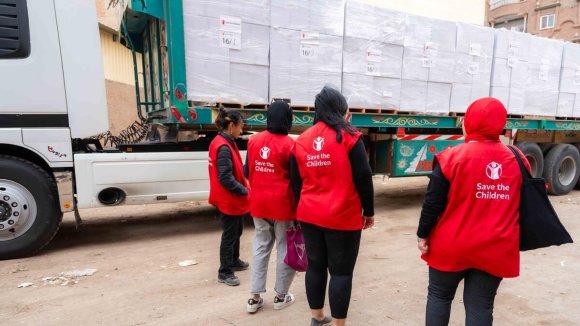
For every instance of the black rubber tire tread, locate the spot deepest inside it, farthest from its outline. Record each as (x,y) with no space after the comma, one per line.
(533,149)
(546,147)
(49,216)
(577,183)
(552,164)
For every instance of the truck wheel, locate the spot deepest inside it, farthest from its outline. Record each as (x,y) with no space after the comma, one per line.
(29,208)
(562,169)
(534,155)
(578,183)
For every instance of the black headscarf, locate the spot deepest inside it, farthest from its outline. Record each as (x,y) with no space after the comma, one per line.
(331,107)
(279,117)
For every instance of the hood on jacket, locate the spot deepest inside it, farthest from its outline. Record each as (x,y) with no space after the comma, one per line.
(279,118)
(484,120)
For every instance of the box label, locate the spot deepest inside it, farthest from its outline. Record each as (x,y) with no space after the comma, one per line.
(230,33)
(475,49)
(374,55)
(373,69)
(308,51)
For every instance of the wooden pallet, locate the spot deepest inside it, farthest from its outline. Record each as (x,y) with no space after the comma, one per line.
(568,118)
(456,114)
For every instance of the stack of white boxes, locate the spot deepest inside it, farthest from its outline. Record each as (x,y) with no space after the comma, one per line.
(428,65)
(372,56)
(473,60)
(510,69)
(226,50)
(569,98)
(305,48)
(542,84)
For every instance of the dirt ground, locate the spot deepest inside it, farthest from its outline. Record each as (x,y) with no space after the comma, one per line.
(136,251)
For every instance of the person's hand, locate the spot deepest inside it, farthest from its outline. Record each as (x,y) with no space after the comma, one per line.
(422,245)
(369,221)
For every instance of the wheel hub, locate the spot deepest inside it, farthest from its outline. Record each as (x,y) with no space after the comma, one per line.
(17,209)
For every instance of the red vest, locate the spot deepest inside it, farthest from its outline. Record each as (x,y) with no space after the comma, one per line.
(227,202)
(329,198)
(268,165)
(479,228)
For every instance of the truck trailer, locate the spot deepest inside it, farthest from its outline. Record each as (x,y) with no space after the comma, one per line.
(53,107)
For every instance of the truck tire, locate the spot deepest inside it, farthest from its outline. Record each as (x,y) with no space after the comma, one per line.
(562,169)
(29,208)
(546,147)
(534,155)
(578,183)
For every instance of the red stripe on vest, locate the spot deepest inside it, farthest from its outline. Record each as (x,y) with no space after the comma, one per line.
(268,165)
(227,202)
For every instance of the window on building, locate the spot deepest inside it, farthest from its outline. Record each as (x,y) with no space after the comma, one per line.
(547,21)
(14,29)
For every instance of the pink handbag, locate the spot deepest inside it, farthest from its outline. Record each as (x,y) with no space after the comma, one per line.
(296,249)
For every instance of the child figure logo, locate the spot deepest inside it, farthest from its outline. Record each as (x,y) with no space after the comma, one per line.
(318,143)
(493,170)
(265,152)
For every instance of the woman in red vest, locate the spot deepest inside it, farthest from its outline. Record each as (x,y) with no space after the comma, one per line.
(469,228)
(335,203)
(272,204)
(229,192)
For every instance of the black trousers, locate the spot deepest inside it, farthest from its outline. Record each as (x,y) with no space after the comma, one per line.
(232,227)
(479,293)
(335,251)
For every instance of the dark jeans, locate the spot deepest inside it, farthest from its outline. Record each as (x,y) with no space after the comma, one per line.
(232,227)
(479,293)
(334,251)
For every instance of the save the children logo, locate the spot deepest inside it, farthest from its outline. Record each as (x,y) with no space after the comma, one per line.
(318,143)
(493,170)
(265,152)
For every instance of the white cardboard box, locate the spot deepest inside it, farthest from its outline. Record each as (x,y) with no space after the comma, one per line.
(322,16)
(363,91)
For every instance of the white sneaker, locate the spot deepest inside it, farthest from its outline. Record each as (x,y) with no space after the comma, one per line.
(283,303)
(254,305)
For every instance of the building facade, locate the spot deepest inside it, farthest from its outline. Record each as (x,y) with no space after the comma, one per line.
(557,19)
(118,66)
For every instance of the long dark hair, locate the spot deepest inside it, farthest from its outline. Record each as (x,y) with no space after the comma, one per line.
(330,107)
(226,116)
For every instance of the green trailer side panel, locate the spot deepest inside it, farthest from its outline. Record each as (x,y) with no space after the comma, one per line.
(151,7)
(415,157)
(176,54)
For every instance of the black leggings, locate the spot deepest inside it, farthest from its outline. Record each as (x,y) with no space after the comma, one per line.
(479,293)
(334,251)
(232,227)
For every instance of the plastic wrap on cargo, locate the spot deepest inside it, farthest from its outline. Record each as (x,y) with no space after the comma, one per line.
(323,16)
(302,62)
(472,69)
(442,67)
(504,75)
(541,103)
(363,91)
(415,65)
(222,81)
(545,51)
(203,39)
(372,58)
(422,32)
(570,80)
(512,98)
(249,11)
(300,85)
(438,98)
(475,40)
(413,95)
(543,77)
(462,95)
(512,45)
(566,104)
(571,55)
(502,94)
(374,23)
